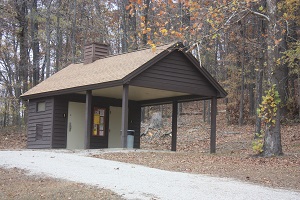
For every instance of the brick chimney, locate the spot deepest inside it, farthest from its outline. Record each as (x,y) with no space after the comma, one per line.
(94,51)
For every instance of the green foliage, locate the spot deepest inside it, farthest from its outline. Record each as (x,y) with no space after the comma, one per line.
(292,58)
(268,108)
(261,8)
(258,143)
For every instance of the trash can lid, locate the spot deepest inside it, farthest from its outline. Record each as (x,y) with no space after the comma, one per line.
(130,132)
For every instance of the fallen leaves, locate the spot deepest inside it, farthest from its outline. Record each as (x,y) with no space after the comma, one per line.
(14,184)
(12,139)
(234,158)
(281,171)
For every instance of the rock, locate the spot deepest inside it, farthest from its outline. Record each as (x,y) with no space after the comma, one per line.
(156,120)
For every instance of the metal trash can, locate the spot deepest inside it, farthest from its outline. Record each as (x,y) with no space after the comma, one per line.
(130,139)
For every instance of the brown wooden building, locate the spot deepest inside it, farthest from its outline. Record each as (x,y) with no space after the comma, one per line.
(86,105)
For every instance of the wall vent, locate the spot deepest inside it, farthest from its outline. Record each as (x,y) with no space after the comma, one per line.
(38,131)
(95,51)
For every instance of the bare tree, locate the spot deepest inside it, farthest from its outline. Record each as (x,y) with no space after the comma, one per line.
(73,31)
(22,68)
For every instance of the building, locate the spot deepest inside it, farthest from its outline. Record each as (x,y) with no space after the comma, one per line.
(86,105)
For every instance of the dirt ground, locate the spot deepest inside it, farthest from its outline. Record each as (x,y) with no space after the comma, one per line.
(14,184)
(234,159)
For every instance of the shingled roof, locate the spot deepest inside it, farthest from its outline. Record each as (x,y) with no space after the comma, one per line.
(106,72)
(112,68)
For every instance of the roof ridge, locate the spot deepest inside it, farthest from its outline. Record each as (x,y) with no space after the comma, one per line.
(137,50)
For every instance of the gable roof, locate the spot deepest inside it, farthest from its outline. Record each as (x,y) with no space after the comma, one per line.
(108,72)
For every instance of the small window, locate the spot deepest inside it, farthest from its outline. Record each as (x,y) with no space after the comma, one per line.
(41,106)
(38,131)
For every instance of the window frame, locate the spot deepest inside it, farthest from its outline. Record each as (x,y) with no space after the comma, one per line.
(37,106)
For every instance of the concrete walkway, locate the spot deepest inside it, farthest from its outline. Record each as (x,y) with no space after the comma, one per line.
(135,181)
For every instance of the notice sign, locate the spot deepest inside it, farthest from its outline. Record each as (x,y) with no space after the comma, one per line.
(96,119)
(99,122)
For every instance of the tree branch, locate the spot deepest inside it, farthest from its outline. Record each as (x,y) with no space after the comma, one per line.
(259,14)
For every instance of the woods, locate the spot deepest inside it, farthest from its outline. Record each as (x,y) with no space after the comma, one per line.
(252,47)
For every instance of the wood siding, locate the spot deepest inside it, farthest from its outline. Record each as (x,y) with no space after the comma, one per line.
(60,123)
(42,119)
(94,52)
(175,73)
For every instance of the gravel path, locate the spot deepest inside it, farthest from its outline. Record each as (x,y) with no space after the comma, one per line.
(134,181)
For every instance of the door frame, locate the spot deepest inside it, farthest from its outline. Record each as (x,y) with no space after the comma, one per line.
(117,131)
(78,126)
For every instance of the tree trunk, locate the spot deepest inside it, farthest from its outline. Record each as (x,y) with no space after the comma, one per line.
(48,32)
(132,29)
(208,113)
(179,109)
(272,140)
(251,91)
(259,75)
(103,26)
(73,33)
(145,14)
(58,38)
(259,81)
(298,81)
(186,21)
(282,75)
(242,65)
(35,43)
(22,69)
(251,95)
(6,106)
(67,49)
(143,114)
(124,26)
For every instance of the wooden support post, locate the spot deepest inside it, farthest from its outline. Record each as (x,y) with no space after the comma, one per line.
(88,117)
(174,125)
(125,115)
(213,124)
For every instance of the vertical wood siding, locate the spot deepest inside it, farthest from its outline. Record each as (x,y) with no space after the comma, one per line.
(44,118)
(60,123)
(176,73)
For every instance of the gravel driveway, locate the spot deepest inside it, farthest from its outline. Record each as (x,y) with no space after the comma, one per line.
(134,181)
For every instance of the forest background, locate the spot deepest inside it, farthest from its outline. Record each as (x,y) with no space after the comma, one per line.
(252,47)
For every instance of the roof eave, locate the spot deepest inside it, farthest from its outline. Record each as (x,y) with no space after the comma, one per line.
(72,90)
